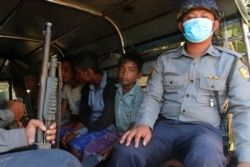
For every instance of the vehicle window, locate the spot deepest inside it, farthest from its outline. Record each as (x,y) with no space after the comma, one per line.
(4,94)
(231,31)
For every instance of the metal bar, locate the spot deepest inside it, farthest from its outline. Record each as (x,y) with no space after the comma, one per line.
(59,101)
(12,13)
(98,13)
(245,30)
(77,6)
(118,31)
(19,38)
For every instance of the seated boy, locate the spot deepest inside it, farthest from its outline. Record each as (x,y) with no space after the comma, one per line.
(127,101)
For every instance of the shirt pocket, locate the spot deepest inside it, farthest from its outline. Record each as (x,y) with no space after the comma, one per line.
(207,88)
(173,83)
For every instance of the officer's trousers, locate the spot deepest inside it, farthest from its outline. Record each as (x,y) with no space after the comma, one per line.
(197,145)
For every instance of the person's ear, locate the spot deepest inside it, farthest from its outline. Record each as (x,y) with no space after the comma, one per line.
(139,75)
(90,72)
(180,26)
(216,25)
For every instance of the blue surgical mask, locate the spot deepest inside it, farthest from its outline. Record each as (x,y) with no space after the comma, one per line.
(197,30)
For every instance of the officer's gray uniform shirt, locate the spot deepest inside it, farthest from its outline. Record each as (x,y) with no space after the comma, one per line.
(10,139)
(180,88)
(6,117)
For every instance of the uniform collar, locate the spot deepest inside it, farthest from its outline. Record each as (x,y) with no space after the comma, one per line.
(103,82)
(131,92)
(212,51)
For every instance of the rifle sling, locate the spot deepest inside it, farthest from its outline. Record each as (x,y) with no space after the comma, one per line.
(216,95)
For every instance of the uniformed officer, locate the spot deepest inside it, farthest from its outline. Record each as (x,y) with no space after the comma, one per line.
(179,111)
(21,138)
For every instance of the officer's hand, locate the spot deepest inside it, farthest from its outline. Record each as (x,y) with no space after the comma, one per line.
(30,131)
(136,133)
(244,164)
(17,108)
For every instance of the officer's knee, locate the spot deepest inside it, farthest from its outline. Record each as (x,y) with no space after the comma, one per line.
(206,157)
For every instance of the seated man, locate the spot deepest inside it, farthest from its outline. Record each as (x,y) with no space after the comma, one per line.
(14,112)
(31,81)
(96,112)
(71,93)
(20,92)
(179,110)
(19,88)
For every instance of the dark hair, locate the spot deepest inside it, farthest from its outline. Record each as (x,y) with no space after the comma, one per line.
(19,82)
(133,56)
(87,60)
(68,58)
(31,72)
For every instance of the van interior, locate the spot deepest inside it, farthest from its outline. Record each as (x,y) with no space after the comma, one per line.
(108,28)
(105,27)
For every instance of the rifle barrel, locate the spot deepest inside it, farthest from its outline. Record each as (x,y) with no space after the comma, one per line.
(44,72)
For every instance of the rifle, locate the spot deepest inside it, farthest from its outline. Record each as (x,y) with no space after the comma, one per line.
(48,91)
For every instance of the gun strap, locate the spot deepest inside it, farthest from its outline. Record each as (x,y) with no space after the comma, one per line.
(223,114)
